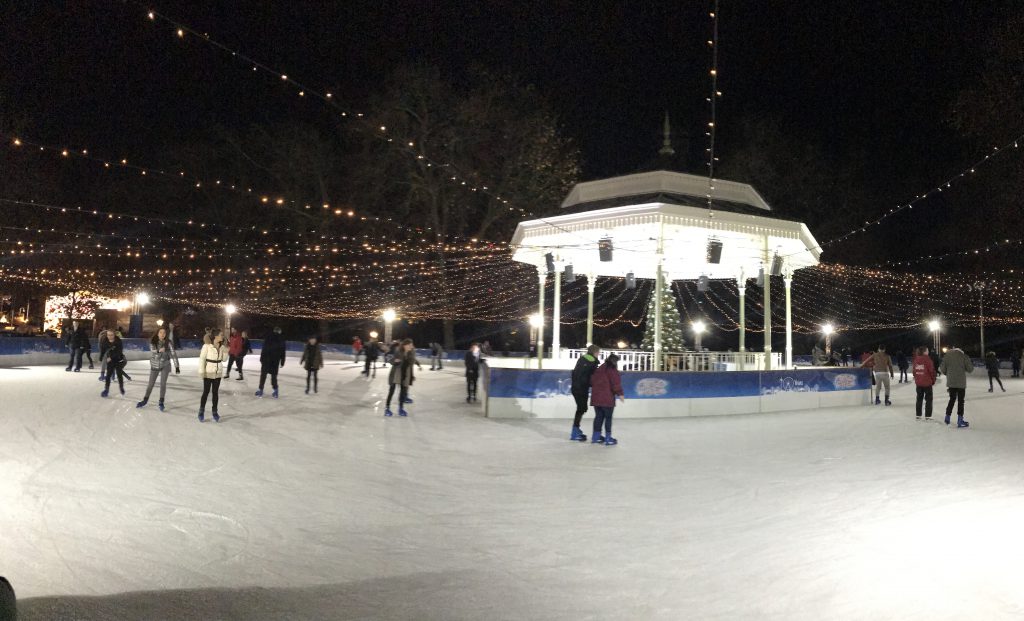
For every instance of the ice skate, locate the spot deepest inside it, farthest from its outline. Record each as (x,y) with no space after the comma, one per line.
(103,377)
(122,392)
(388,412)
(307,391)
(597,440)
(878,400)
(275,393)
(961,423)
(990,390)
(202,416)
(578,435)
(402,412)
(216,417)
(259,393)
(142,404)
(610,441)
(887,402)
(947,418)
(239,378)
(105,393)
(161,406)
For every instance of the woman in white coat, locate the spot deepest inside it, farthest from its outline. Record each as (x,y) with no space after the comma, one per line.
(211,369)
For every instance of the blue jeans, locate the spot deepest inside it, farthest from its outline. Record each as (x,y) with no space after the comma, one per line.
(603,415)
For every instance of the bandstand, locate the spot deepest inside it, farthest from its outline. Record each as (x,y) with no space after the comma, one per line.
(658,225)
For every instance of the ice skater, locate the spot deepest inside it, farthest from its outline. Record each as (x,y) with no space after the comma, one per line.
(401,376)
(924,379)
(372,354)
(113,361)
(1015,362)
(436,356)
(992,364)
(236,353)
(580,388)
(77,342)
(902,364)
(211,365)
(357,348)
(881,364)
(605,387)
(473,360)
(955,366)
(312,360)
(161,353)
(271,359)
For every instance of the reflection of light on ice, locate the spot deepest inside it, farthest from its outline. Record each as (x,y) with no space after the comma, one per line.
(651,387)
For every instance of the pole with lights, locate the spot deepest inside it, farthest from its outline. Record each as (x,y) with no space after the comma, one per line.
(229,310)
(828,329)
(935,327)
(389,315)
(537,324)
(979,286)
(699,328)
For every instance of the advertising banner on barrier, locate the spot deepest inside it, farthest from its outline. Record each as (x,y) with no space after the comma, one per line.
(533,384)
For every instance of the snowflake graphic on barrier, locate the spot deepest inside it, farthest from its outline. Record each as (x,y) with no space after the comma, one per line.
(651,387)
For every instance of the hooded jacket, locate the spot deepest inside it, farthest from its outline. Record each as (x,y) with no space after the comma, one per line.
(924,371)
(605,385)
(582,372)
(273,351)
(312,357)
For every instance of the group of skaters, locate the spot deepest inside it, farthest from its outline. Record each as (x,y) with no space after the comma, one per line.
(220,354)
(601,384)
(926,369)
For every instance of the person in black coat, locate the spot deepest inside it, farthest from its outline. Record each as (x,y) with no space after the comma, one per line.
(113,361)
(271,359)
(77,342)
(585,368)
(372,350)
(473,360)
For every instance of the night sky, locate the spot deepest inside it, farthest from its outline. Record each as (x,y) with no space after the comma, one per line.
(869,83)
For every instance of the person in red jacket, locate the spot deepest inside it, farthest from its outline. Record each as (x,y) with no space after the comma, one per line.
(236,352)
(924,378)
(605,386)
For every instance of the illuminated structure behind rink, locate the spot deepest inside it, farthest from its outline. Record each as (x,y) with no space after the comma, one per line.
(78,305)
(658,225)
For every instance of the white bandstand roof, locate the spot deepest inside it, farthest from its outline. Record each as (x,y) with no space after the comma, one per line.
(667,206)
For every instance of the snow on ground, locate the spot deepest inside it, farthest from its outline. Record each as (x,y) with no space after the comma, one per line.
(317,507)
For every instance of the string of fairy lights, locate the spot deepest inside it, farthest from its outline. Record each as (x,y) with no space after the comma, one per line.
(713,108)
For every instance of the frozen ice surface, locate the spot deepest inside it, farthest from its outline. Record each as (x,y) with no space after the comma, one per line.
(317,507)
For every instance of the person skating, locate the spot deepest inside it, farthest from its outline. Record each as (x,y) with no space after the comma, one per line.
(605,387)
(312,360)
(113,361)
(77,341)
(473,360)
(103,343)
(357,348)
(992,364)
(1015,362)
(271,359)
(580,388)
(211,365)
(236,353)
(401,376)
(955,366)
(881,364)
(436,356)
(161,354)
(88,350)
(902,363)
(372,352)
(924,379)
(246,350)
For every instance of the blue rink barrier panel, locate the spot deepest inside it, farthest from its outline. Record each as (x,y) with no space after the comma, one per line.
(524,393)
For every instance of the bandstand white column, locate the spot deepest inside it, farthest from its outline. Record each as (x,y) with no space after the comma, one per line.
(659,283)
(767,308)
(741,284)
(788,280)
(591,285)
(556,316)
(541,279)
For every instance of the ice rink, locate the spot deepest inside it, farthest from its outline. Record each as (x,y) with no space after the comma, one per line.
(316,507)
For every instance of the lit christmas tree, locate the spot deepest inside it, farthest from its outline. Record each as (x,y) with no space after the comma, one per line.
(671,322)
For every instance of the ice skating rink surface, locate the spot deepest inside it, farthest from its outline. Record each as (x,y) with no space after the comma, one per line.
(317,507)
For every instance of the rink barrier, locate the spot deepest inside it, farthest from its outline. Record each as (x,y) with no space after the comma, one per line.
(527,393)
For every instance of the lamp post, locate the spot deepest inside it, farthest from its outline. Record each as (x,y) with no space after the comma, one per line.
(699,327)
(537,323)
(827,330)
(979,286)
(229,310)
(389,315)
(935,327)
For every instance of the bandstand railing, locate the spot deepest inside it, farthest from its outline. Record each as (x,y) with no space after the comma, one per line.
(637,360)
